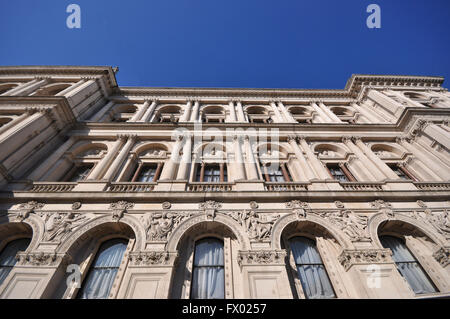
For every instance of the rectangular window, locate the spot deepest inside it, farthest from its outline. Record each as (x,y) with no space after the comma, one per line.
(147,173)
(402,172)
(340,174)
(80,173)
(211,173)
(277,173)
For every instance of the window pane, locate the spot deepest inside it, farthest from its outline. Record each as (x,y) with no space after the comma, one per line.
(408,266)
(103,271)
(310,268)
(8,256)
(208,280)
(80,173)
(147,173)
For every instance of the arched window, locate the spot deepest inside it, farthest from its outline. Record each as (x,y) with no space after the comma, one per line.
(310,269)
(8,256)
(100,278)
(408,266)
(208,280)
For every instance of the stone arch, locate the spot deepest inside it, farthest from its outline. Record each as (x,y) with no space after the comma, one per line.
(169,108)
(213,109)
(257,109)
(5,120)
(5,87)
(52,89)
(281,224)
(304,110)
(342,110)
(382,147)
(282,150)
(206,147)
(186,227)
(11,228)
(327,147)
(141,148)
(84,146)
(376,220)
(130,221)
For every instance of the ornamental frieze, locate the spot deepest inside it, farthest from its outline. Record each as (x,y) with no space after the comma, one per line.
(439,220)
(442,256)
(119,209)
(41,258)
(258,226)
(59,225)
(352,224)
(261,257)
(159,226)
(348,258)
(26,209)
(147,258)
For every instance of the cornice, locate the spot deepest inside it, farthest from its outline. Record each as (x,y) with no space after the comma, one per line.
(55,70)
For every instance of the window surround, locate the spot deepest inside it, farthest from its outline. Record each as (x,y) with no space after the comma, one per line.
(343,166)
(89,257)
(228,265)
(200,171)
(332,276)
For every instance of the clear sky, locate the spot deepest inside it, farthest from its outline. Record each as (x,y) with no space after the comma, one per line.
(231,43)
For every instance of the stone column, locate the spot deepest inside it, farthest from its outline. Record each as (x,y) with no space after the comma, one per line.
(16,136)
(385,101)
(148,114)
(434,170)
(406,99)
(97,117)
(306,172)
(17,120)
(317,165)
(286,113)
(238,158)
(186,159)
(123,153)
(70,88)
(329,113)
(437,133)
(364,165)
(194,113)
(30,88)
(20,87)
(103,165)
(241,116)
(320,114)
(187,112)
(232,111)
(168,171)
(51,160)
(278,117)
(138,115)
(376,160)
(252,171)
(366,113)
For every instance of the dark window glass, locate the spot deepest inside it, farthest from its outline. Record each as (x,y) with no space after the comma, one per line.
(337,173)
(8,256)
(99,281)
(208,279)
(310,268)
(80,174)
(399,172)
(408,266)
(275,174)
(147,173)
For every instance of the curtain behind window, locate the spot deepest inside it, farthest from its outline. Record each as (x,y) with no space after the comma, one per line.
(310,268)
(103,271)
(8,256)
(208,276)
(408,266)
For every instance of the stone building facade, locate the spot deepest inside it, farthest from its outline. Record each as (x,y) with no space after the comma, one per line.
(360,176)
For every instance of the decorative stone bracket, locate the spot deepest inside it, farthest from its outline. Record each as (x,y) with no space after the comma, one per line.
(119,209)
(442,255)
(42,258)
(149,258)
(261,257)
(348,258)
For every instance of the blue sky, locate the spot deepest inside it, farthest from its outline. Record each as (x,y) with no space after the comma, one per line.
(231,43)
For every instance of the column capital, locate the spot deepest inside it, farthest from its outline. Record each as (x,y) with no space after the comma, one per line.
(301,138)
(291,138)
(356,139)
(346,139)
